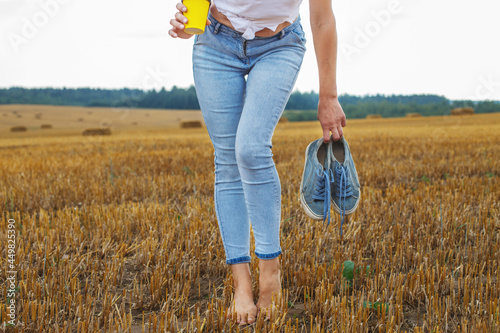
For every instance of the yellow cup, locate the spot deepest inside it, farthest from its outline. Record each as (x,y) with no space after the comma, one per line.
(197,12)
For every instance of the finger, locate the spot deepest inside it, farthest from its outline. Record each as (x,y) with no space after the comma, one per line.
(326,135)
(340,131)
(208,22)
(172,33)
(181,7)
(344,122)
(176,24)
(335,134)
(181,18)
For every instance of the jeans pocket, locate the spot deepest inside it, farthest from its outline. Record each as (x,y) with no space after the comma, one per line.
(299,36)
(299,33)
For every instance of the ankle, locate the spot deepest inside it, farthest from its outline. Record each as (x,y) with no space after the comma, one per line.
(242,279)
(269,264)
(269,268)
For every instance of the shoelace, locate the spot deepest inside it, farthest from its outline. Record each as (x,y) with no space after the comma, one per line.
(322,191)
(342,189)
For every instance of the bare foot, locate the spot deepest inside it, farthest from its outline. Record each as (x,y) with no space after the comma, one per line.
(243,308)
(269,283)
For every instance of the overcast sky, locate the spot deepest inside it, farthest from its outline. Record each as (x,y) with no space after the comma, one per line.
(445,47)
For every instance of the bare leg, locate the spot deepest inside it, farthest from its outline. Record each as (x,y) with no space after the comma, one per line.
(245,308)
(269,282)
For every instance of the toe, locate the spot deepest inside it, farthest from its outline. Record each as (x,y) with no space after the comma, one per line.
(243,320)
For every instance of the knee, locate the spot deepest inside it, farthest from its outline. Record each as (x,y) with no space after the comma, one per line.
(252,155)
(226,168)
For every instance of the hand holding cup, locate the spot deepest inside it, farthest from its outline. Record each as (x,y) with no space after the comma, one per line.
(182,27)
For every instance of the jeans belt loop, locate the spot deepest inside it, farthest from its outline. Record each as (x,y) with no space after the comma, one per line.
(282,33)
(217,26)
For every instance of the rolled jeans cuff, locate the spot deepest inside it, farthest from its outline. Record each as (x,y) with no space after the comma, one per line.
(268,256)
(238,260)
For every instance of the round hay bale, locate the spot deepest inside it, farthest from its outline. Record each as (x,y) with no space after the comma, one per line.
(413,115)
(283,120)
(80,119)
(38,115)
(135,123)
(97,131)
(462,111)
(46,126)
(18,129)
(191,124)
(373,116)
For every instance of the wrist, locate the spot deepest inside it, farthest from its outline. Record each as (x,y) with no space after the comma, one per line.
(328,97)
(328,91)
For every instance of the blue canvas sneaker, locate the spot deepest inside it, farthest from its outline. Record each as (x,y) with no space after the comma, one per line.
(317,178)
(345,189)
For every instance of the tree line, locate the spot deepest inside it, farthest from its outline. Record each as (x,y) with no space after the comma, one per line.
(301,105)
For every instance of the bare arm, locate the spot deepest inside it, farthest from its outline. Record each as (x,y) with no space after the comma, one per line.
(323,26)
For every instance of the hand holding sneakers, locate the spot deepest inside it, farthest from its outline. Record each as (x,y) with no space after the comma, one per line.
(329,175)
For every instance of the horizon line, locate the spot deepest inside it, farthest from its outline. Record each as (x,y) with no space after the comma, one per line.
(294,91)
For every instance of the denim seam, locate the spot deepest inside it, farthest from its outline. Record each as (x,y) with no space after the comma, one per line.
(217,207)
(276,118)
(278,217)
(276,192)
(290,91)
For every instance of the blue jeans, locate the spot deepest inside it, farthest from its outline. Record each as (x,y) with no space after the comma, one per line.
(243,87)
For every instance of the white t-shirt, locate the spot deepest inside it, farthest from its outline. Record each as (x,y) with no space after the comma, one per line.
(248,17)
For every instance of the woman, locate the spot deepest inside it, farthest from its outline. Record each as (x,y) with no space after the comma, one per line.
(245,65)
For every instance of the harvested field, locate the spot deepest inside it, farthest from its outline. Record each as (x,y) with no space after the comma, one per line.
(118,233)
(76,117)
